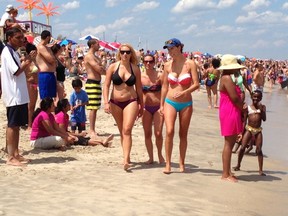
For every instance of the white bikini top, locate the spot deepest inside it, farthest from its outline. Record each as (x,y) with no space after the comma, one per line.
(252,111)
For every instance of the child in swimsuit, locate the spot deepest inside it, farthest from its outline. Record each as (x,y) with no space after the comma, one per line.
(255,114)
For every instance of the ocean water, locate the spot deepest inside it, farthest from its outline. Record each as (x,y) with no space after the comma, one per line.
(275,129)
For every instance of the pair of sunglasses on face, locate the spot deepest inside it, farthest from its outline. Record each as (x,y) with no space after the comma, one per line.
(122,52)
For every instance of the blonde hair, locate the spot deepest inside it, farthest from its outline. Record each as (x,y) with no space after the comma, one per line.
(133,57)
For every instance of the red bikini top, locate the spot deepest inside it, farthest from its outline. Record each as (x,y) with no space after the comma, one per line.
(185,79)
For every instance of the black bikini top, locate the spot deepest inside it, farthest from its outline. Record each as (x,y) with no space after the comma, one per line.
(117,80)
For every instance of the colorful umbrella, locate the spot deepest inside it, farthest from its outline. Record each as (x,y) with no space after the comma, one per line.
(37,40)
(88,37)
(105,45)
(67,41)
(30,38)
(115,45)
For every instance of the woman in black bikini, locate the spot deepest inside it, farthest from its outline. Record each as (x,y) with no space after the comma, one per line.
(151,85)
(126,99)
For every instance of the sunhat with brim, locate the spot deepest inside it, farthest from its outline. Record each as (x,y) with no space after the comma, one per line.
(229,62)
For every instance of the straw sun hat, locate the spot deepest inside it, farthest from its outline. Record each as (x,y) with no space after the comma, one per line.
(229,62)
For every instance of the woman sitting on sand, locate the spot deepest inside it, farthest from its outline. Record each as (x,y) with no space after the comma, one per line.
(45,133)
(62,119)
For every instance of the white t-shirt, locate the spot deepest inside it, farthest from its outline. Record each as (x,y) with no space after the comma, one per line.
(14,88)
(5,16)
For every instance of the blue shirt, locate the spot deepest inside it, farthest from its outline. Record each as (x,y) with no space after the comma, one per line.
(78,115)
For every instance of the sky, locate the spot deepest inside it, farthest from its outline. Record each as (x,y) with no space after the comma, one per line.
(256,28)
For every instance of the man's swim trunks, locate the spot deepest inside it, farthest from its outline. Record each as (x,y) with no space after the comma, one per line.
(47,84)
(94,92)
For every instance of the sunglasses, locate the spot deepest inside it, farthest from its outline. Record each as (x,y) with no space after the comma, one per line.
(149,61)
(168,42)
(122,52)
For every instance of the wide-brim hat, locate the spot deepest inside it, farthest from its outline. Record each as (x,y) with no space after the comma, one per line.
(229,62)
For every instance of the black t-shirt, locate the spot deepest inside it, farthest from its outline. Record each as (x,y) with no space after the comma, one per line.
(60,71)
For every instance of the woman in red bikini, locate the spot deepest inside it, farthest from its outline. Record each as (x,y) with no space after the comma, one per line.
(126,99)
(180,79)
(151,85)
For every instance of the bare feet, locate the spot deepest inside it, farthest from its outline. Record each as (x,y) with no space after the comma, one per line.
(216,107)
(150,161)
(167,170)
(161,160)
(107,140)
(230,179)
(22,159)
(236,168)
(209,107)
(182,168)
(126,167)
(14,162)
(261,173)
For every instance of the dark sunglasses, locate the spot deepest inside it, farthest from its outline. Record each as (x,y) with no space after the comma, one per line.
(122,52)
(150,61)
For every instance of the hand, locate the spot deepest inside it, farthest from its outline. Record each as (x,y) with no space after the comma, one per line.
(140,112)
(178,94)
(33,54)
(161,110)
(107,108)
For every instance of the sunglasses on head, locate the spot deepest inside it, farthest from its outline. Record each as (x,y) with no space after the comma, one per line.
(150,61)
(122,52)
(168,42)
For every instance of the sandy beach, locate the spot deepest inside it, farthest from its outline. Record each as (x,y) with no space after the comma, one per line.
(90,180)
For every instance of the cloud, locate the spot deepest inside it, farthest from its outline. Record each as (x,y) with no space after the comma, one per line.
(118,24)
(190,29)
(226,3)
(23,17)
(113,3)
(146,5)
(66,26)
(262,18)
(90,16)
(285,5)
(260,44)
(186,5)
(71,5)
(254,4)
(280,43)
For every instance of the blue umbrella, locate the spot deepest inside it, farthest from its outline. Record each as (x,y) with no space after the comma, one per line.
(67,41)
(88,37)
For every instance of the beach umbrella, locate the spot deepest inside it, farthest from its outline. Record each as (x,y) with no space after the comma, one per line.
(218,55)
(198,53)
(67,41)
(208,55)
(105,45)
(37,40)
(115,45)
(88,37)
(241,57)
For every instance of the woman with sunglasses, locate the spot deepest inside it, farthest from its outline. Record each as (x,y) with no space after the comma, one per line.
(180,79)
(126,99)
(151,85)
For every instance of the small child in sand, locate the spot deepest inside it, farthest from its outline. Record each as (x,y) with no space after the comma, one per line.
(62,119)
(255,114)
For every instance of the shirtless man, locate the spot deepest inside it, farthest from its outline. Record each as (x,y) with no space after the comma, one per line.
(47,64)
(258,77)
(255,114)
(94,70)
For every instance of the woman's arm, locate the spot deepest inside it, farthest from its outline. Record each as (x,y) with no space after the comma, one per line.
(165,85)
(195,83)
(139,91)
(106,87)
(229,86)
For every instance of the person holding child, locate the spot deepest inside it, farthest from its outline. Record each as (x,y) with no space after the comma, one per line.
(254,114)
(230,110)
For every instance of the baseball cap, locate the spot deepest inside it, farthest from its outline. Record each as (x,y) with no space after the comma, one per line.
(171,43)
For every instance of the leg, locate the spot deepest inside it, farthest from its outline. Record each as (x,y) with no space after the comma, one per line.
(226,157)
(215,95)
(184,121)
(158,127)
(170,117)
(208,89)
(12,137)
(245,140)
(92,121)
(258,142)
(33,95)
(130,113)
(147,126)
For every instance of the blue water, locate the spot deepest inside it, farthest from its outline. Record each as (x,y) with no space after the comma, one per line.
(275,129)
